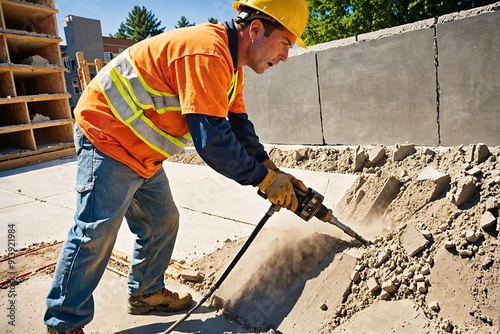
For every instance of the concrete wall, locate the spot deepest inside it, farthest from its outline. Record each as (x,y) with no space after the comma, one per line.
(434,82)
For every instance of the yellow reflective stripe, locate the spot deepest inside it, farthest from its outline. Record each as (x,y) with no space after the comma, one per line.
(174,140)
(141,79)
(119,94)
(143,95)
(115,77)
(231,93)
(117,115)
(130,124)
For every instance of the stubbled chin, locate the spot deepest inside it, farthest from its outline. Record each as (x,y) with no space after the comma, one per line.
(259,70)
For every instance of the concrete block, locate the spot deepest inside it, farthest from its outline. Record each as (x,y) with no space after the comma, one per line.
(421,287)
(413,241)
(402,151)
(389,286)
(388,192)
(482,153)
(297,156)
(487,220)
(471,236)
(448,244)
(434,305)
(425,270)
(465,253)
(441,180)
(470,97)
(375,154)
(216,302)
(355,276)
(359,159)
(390,77)
(426,233)
(191,275)
(310,317)
(372,285)
(293,104)
(430,152)
(464,192)
(492,203)
(384,295)
(469,153)
(382,257)
(419,278)
(397,316)
(366,207)
(257,104)
(474,170)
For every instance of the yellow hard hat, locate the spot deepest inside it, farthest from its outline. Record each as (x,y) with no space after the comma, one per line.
(292,14)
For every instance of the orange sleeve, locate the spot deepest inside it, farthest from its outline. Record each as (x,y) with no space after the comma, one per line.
(202,81)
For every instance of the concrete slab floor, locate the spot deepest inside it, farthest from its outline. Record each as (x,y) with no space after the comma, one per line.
(110,310)
(39,200)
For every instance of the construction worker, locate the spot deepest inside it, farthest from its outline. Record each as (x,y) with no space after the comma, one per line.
(143,107)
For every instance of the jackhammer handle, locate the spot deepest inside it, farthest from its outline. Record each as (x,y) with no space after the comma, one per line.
(274,208)
(261,194)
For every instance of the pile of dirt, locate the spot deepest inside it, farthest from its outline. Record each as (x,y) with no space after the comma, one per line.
(433,214)
(28,261)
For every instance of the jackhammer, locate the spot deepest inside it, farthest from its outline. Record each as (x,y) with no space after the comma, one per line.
(310,205)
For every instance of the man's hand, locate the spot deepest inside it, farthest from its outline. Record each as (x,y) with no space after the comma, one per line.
(278,188)
(269,164)
(296,182)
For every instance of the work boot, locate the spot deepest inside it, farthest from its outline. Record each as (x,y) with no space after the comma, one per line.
(162,300)
(51,330)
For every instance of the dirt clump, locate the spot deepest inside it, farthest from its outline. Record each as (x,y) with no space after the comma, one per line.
(433,215)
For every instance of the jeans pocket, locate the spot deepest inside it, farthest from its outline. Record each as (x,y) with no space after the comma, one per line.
(85,164)
(84,183)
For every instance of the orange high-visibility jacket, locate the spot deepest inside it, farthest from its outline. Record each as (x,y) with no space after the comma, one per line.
(133,110)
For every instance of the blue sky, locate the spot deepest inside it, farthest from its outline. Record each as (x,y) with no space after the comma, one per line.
(112,12)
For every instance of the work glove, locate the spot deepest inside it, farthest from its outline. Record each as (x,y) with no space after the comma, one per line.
(269,164)
(295,182)
(278,188)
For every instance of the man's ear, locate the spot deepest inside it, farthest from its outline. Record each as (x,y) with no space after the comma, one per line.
(256,28)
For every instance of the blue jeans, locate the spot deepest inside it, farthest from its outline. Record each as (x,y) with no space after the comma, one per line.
(108,191)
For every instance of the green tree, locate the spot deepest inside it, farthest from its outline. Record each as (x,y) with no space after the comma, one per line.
(336,19)
(213,20)
(140,24)
(183,22)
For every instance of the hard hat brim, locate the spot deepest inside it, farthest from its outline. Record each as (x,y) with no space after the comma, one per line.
(301,43)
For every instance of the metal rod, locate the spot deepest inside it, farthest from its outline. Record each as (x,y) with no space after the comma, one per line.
(269,213)
(334,221)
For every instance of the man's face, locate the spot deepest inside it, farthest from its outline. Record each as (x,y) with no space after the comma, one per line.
(265,52)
